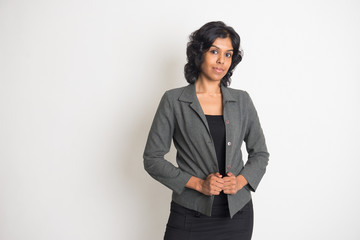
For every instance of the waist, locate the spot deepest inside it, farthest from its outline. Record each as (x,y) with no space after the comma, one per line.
(196,201)
(218,211)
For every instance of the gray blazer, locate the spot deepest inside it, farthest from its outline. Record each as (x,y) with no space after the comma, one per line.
(180,118)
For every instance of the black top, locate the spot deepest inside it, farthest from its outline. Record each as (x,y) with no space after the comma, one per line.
(218,134)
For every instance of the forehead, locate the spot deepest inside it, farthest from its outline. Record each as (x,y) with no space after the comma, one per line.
(223,43)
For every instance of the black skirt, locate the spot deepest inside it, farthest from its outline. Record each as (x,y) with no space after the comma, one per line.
(187,224)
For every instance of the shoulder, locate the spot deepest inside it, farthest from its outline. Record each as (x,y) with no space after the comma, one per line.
(237,92)
(169,97)
(239,95)
(185,93)
(175,91)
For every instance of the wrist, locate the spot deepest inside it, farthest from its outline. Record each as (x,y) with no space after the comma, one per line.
(199,185)
(241,181)
(195,183)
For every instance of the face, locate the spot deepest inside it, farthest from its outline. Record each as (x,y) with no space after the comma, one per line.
(217,60)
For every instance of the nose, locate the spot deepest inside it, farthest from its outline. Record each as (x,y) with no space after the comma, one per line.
(220,59)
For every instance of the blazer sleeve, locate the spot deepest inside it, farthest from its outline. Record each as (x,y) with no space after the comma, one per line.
(258,155)
(158,144)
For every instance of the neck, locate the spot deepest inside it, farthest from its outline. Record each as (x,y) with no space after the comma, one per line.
(212,87)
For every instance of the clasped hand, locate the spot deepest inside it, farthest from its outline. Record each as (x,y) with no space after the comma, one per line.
(229,184)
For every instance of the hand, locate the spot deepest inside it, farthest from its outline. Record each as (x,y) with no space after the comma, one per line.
(212,185)
(233,184)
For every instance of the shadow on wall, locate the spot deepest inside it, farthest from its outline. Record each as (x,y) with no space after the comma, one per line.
(152,197)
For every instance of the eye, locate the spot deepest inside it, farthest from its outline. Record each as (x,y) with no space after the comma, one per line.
(214,51)
(228,55)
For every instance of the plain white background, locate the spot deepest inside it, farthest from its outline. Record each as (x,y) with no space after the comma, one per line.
(80,82)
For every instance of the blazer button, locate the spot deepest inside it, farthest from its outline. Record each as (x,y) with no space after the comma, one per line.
(228,166)
(229,143)
(227,121)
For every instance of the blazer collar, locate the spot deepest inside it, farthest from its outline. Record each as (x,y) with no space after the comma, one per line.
(189,94)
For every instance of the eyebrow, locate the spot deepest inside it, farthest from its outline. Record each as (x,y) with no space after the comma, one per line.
(219,48)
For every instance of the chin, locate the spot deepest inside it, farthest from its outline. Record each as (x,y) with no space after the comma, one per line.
(217,79)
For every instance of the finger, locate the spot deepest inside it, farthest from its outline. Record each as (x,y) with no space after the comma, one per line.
(229,179)
(215,176)
(218,175)
(216,179)
(218,185)
(230,174)
(216,190)
(210,175)
(228,186)
(230,189)
(219,180)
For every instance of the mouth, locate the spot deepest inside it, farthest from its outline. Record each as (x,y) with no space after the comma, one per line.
(218,70)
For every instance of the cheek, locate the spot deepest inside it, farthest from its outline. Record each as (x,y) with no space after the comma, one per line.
(206,64)
(203,67)
(228,64)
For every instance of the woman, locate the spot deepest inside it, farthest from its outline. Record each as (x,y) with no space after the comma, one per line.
(208,122)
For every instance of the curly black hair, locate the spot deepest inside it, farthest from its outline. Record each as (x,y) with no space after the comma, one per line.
(200,42)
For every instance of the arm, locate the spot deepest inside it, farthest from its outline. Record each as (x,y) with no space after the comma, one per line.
(158,144)
(258,155)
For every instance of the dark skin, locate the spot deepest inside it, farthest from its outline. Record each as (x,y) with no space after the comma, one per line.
(217,61)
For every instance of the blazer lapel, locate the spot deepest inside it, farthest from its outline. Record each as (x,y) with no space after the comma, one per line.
(189,95)
(227,97)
